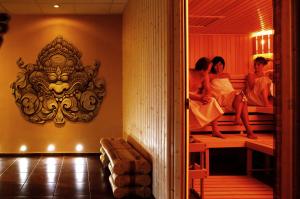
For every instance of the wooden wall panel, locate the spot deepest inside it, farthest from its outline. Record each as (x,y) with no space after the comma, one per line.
(230,16)
(145,68)
(235,49)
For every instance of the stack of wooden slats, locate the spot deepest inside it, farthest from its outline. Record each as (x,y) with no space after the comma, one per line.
(130,171)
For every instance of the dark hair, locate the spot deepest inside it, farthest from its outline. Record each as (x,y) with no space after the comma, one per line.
(261,60)
(216,60)
(202,64)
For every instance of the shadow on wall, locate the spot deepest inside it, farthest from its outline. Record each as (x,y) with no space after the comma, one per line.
(4,18)
(133,141)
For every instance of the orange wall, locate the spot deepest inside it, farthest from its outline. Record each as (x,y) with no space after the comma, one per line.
(235,49)
(97,37)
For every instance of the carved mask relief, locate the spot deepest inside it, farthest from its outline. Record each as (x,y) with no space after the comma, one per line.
(58,86)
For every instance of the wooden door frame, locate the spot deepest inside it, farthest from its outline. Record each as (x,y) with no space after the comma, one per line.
(296,144)
(176,95)
(287,98)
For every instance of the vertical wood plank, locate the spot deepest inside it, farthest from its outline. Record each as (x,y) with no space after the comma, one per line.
(145,83)
(235,49)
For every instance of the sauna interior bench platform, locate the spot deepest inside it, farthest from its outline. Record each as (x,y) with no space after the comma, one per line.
(264,144)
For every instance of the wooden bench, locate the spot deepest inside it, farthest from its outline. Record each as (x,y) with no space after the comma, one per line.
(265,147)
(260,118)
(199,173)
(264,144)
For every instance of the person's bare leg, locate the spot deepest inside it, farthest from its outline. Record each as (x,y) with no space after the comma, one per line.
(238,107)
(215,130)
(245,119)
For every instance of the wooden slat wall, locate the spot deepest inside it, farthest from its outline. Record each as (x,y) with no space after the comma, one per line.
(145,70)
(230,16)
(235,49)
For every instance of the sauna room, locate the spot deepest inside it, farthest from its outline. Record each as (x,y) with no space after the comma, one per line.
(225,40)
(231,155)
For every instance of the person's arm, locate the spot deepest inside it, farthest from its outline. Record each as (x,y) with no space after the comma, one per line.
(206,86)
(250,80)
(206,90)
(212,76)
(194,96)
(203,97)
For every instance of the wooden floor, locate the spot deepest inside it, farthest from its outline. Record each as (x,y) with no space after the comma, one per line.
(234,187)
(54,177)
(232,140)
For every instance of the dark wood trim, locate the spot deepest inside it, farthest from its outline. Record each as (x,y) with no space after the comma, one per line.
(278,99)
(296,141)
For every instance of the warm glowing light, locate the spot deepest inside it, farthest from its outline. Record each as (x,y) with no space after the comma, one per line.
(79,161)
(79,168)
(51,147)
(23,165)
(265,55)
(51,168)
(79,147)
(51,161)
(23,176)
(51,165)
(79,177)
(51,177)
(56,6)
(23,148)
(262,42)
(262,33)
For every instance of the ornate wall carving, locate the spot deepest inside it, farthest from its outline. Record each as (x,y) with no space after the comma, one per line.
(58,86)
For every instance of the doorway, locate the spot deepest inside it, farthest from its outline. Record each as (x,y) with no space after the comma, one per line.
(238,31)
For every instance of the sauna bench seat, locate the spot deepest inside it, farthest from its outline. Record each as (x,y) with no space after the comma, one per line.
(203,143)
(260,118)
(260,109)
(231,141)
(265,147)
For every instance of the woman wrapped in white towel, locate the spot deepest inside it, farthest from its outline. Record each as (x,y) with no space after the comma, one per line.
(259,85)
(229,98)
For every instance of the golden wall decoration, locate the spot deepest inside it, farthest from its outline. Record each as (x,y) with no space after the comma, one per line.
(58,86)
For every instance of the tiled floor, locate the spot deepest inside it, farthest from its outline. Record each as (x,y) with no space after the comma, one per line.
(53,177)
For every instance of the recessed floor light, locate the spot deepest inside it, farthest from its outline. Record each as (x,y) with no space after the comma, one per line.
(79,147)
(56,6)
(23,148)
(51,147)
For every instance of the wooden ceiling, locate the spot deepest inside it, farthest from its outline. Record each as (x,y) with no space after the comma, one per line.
(66,6)
(230,16)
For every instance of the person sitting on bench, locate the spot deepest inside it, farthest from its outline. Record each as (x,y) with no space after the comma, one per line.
(229,98)
(259,85)
(205,108)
